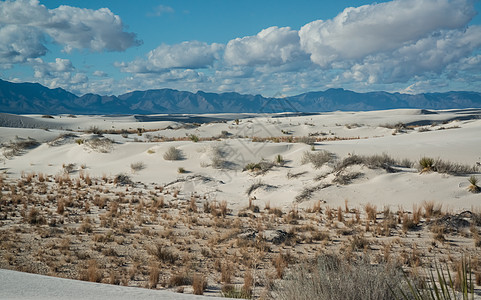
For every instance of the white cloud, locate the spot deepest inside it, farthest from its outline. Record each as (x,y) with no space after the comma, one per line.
(59,68)
(186,55)
(23,24)
(99,73)
(19,43)
(161,9)
(272,46)
(431,55)
(358,32)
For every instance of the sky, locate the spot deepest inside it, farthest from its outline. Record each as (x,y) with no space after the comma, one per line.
(271,47)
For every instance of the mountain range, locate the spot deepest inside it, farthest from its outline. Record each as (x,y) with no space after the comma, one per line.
(34,98)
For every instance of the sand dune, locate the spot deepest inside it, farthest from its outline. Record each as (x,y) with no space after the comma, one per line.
(217,150)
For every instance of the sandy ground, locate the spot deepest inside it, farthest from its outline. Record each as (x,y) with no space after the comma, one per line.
(216,156)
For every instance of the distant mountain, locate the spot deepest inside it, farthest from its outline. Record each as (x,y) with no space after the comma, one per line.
(33,98)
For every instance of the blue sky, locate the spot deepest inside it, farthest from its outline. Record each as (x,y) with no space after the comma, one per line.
(271,48)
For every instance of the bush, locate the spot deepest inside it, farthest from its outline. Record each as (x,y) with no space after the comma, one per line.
(334,279)
(137,166)
(427,164)
(173,154)
(377,161)
(316,158)
(100,145)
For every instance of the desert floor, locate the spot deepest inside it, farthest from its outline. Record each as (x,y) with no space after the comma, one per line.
(227,204)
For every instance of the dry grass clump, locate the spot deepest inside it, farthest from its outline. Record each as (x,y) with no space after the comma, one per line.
(173,154)
(427,164)
(19,146)
(92,273)
(162,253)
(102,145)
(257,185)
(376,161)
(217,157)
(318,158)
(137,166)
(332,278)
(199,284)
(261,167)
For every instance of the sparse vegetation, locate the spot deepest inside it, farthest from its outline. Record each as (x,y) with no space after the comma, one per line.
(333,278)
(173,154)
(318,158)
(137,166)
(427,164)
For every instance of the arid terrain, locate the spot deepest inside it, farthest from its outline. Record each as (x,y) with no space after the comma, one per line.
(226,205)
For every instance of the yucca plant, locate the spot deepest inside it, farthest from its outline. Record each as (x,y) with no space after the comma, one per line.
(474,188)
(426,164)
(279,160)
(441,286)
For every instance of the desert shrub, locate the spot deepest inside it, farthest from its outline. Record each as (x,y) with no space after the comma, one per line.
(376,161)
(344,179)
(47,117)
(137,166)
(194,138)
(62,139)
(35,218)
(92,273)
(102,145)
(427,164)
(122,179)
(473,188)
(260,167)
(199,284)
(217,157)
(257,185)
(306,140)
(317,159)
(335,279)
(179,279)
(94,130)
(231,291)
(181,170)
(173,154)
(68,168)
(442,166)
(19,146)
(154,273)
(307,192)
(162,253)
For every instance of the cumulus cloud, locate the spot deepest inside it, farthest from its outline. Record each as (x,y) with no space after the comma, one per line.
(19,43)
(433,54)
(186,55)
(25,23)
(272,46)
(358,32)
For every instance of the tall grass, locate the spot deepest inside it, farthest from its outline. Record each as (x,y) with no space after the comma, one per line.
(332,278)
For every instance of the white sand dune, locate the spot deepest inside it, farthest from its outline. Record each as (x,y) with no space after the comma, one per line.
(19,285)
(451,135)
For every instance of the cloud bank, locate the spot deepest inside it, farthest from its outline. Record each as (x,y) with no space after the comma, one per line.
(393,43)
(25,25)
(401,45)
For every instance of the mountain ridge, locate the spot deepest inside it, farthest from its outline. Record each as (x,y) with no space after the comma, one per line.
(34,98)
